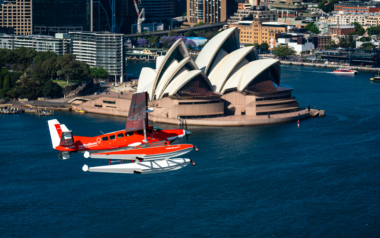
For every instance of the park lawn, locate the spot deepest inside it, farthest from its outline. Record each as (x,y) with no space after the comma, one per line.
(63,84)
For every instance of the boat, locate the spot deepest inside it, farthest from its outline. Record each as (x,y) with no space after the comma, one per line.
(376,78)
(80,111)
(345,71)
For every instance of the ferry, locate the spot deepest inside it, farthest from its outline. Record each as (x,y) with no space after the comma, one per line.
(345,71)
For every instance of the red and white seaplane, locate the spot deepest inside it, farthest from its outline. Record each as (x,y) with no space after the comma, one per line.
(149,148)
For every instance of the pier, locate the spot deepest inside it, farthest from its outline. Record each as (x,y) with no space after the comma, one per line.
(285,62)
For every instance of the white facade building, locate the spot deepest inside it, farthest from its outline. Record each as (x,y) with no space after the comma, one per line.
(295,40)
(346,18)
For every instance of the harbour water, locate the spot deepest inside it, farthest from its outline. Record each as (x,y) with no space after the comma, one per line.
(319,180)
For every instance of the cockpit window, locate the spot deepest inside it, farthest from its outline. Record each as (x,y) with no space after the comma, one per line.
(155,128)
(130,133)
(139,132)
(105,138)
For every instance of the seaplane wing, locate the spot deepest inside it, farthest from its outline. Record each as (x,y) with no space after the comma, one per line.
(149,151)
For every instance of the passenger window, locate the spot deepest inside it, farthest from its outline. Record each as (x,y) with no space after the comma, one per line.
(105,138)
(112,137)
(129,133)
(148,130)
(120,135)
(155,128)
(139,132)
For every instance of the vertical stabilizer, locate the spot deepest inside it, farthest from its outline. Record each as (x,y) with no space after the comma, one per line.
(55,132)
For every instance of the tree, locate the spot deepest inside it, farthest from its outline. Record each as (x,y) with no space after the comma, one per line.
(284,51)
(142,42)
(28,87)
(52,89)
(373,30)
(167,41)
(7,84)
(3,74)
(191,44)
(59,74)
(189,33)
(367,46)
(264,46)
(153,40)
(360,32)
(312,28)
(184,39)
(256,45)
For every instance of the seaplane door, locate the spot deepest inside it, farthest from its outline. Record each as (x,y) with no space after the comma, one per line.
(112,141)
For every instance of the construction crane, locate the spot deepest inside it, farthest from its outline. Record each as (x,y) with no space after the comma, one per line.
(140,19)
(140,16)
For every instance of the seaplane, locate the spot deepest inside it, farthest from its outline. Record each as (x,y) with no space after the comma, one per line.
(141,148)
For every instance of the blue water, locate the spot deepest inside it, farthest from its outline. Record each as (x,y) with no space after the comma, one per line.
(319,180)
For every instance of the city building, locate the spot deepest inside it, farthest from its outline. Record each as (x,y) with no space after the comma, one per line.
(61,16)
(296,41)
(18,15)
(341,30)
(158,9)
(357,7)
(353,57)
(148,27)
(293,21)
(37,42)
(7,30)
(324,27)
(288,8)
(373,19)
(125,15)
(209,11)
(252,13)
(259,31)
(346,18)
(225,80)
(100,49)
(374,42)
(39,17)
(320,41)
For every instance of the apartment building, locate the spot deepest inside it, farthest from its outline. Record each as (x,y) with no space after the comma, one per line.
(209,11)
(100,49)
(18,15)
(259,31)
(37,42)
(357,7)
(341,30)
(252,13)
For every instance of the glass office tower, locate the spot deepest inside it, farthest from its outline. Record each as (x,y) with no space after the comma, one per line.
(61,16)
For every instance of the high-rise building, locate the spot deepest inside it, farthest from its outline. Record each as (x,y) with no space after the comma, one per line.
(17,14)
(45,17)
(158,10)
(100,49)
(125,15)
(61,16)
(209,11)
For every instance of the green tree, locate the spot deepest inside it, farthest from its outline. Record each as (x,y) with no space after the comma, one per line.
(153,40)
(3,74)
(28,87)
(7,84)
(264,46)
(52,89)
(373,30)
(189,33)
(284,51)
(367,46)
(360,32)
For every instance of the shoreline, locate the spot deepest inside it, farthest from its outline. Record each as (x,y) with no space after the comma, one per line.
(284,62)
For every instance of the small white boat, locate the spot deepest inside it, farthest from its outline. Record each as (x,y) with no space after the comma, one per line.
(345,71)
(149,167)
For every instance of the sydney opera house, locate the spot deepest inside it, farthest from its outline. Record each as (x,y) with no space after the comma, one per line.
(225,85)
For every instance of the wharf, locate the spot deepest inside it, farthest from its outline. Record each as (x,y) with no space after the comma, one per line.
(328,65)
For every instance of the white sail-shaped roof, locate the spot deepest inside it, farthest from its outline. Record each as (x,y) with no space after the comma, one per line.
(223,43)
(182,79)
(176,52)
(230,64)
(187,63)
(146,79)
(248,73)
